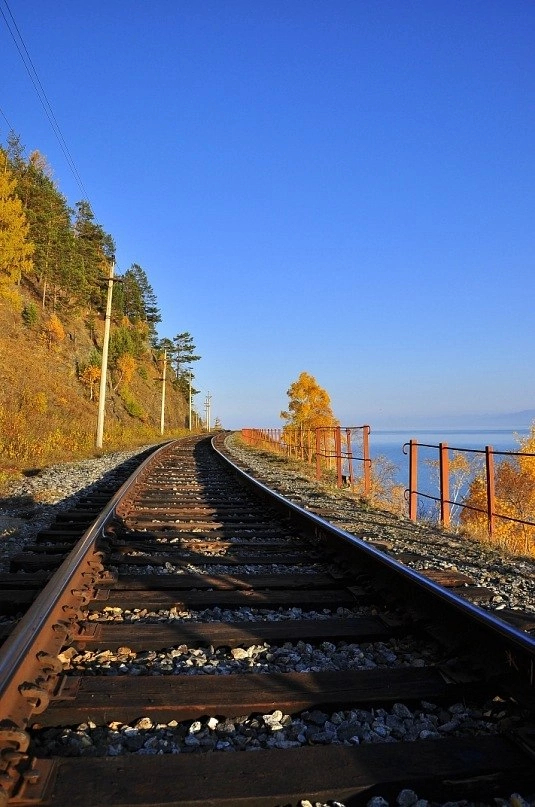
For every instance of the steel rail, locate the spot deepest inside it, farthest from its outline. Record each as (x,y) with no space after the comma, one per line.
(524,646)
(19,646)
(521,641)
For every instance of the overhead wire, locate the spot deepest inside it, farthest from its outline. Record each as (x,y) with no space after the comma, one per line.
(41,94)
(5,118)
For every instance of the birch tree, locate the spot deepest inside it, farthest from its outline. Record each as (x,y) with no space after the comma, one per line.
(309,405)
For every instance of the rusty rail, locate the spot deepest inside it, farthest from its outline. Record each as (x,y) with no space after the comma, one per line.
(330,448)
(168,498)
(443,499)
(29,654)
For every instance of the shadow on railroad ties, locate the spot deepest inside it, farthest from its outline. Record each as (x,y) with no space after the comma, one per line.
(44,498)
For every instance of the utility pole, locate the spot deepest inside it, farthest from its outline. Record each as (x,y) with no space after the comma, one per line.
(189,419)
(207,409)
(162,415)
(104,366)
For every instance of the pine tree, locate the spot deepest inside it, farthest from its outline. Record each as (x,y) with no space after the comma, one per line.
(48,216)
(93,250)
(136,298)
(183,352)
(151,313)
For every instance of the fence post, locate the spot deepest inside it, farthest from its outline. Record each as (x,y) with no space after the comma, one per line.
(367,460)
(318,453)
(444,465)
(489,468)
(349,451)
(338,455)
(413,479)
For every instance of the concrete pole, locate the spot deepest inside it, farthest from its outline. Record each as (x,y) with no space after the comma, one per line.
(104,366)
(189,420)
(162,415)
(207,407)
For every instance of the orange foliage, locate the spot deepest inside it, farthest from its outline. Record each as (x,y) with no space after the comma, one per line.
(124,367)
(310,405)
(90,377)
(514,499)
(54,330)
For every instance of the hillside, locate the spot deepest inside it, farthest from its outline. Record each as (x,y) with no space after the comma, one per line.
(46,414)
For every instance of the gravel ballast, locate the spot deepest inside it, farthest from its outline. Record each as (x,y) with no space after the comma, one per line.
(31,505)
(511,579)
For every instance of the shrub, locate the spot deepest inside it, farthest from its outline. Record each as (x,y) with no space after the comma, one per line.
(124,369)
(514,499)
(54,330)
(29,315)
(133,408)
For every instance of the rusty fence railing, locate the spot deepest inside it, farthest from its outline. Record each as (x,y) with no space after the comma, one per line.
(332,449)
(443,499)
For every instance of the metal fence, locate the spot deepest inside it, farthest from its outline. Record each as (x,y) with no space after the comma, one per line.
(334,450)
(443,499)
(341,452)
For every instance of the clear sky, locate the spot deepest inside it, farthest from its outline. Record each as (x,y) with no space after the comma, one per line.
(342,187)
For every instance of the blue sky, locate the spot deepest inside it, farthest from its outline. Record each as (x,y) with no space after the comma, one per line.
(342,187)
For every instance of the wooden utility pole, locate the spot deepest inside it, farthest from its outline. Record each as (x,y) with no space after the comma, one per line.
(104,365)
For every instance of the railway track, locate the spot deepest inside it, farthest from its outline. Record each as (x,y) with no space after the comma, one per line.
(201,618)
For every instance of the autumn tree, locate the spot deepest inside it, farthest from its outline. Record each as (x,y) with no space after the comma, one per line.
(47,214)
(514,481)
(53,330)
(124,370)
(309,406)
(89,373)
(51,230)
(90,378)
(463,467)
(15,248)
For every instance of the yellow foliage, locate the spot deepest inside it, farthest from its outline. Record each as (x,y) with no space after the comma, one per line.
(310,405)
(90,377)
(15,249)
(9,292)
(54,330)
(514,499)
(142,328)
(125,367)
(40,402)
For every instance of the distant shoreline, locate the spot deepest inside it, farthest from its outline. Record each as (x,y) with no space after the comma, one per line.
(439,430)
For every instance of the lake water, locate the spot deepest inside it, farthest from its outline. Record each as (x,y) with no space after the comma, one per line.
(389,444)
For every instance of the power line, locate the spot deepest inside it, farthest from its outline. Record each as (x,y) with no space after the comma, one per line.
(41,94)
(6,120)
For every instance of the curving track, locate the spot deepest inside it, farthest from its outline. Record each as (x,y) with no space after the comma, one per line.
(136,668)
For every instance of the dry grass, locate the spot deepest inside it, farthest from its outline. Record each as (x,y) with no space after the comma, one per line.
(45,412)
